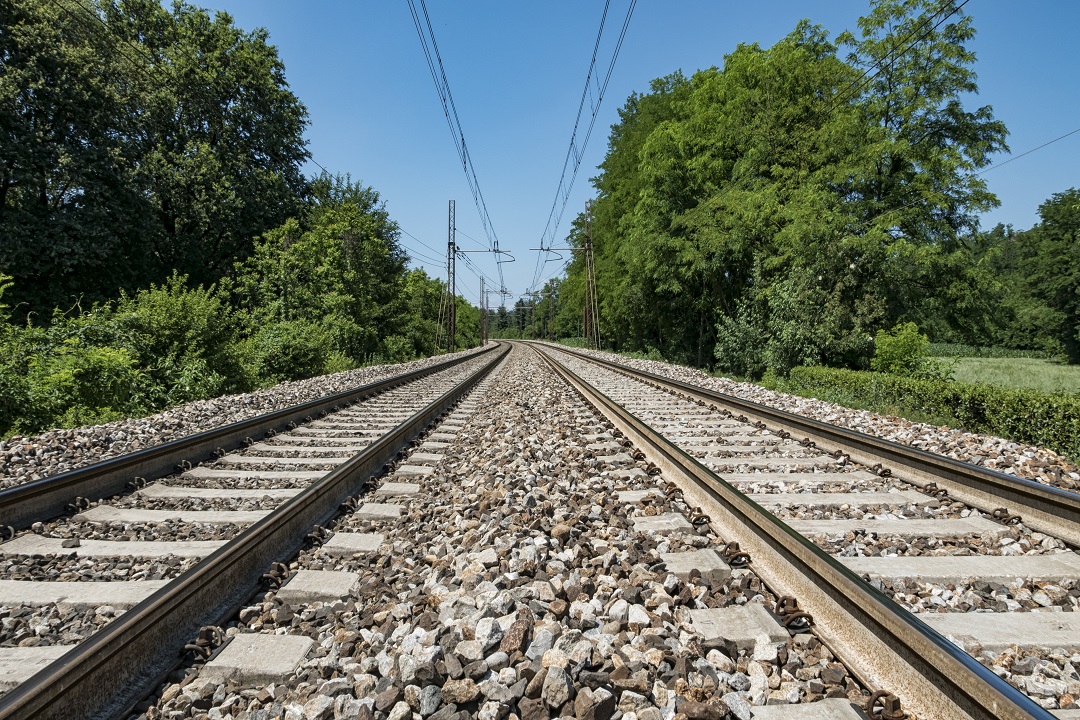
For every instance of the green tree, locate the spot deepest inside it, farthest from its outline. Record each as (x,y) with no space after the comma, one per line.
(1053,267)
(136,143)
(792,187)
(339,267)
(70,213)
(222,137)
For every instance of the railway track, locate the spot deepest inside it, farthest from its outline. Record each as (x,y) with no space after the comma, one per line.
(539,551)
(102,601)
(977,556)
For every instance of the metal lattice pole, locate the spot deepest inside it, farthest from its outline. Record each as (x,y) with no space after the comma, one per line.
(451,283)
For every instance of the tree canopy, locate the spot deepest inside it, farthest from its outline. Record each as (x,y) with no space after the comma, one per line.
(780,209)
(136,142)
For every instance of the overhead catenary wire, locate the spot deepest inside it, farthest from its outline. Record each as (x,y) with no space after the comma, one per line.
(995,166)
(895,52)
(426,33)
(139,51)
(575,152)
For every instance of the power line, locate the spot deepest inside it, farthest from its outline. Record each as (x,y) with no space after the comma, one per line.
(916,201)
(574,152)
(139,51)
(1028,152)
(406,232)
(446,98)
(470,237)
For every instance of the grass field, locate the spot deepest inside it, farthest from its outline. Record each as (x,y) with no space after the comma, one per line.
(1045,375)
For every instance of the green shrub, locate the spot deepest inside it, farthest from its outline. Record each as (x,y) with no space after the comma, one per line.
(905,351)
(651,353)
(901,351)
(78,385)
(1050,420)
(184,338)
(740,346)
(290,350)
(395,349)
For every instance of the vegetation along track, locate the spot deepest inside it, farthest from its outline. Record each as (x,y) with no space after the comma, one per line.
(868,519)
(107,598)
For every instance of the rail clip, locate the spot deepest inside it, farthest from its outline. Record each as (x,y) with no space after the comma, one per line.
(735,557)
(885,705)
(210,637)
(792,616)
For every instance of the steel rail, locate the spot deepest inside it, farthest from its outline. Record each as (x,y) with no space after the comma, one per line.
(877,638)
(117,666)
(25,504)
(1042,507)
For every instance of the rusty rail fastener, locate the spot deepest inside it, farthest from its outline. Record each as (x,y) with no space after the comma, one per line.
(1003,516)
(885,705)
(210,637)
(735,557)
(79,504)
(318,534)
(795,619)
(276,576)
(932,489)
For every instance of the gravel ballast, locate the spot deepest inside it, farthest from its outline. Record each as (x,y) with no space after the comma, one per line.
(515,586)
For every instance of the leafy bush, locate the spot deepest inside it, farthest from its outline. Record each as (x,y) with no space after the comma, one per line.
(790,322)
(901,351)
(395,349)
(184,338)
(740,346)
(78,385)
(289,350)
(905,351)
(650,354)
(1050,420)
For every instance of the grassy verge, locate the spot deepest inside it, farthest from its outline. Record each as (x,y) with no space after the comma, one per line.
(1050,420)
(1034,373)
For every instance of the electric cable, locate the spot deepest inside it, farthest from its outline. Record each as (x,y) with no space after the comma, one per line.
(574,152)
(442,85)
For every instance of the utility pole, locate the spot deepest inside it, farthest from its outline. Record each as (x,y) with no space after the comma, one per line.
(590,312)
(591,319)
(551,313)
(451,283)
(483,313)
(533,299)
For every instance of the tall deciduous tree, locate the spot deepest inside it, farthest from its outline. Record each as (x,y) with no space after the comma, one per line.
(135,141)
(1055,272)
(340,267)
(68,207)
(797,200)
(221,140)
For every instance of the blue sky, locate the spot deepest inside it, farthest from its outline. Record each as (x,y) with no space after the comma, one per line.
(517,71)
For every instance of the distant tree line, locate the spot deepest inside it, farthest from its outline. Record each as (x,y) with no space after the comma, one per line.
(781,209)
(158,241)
